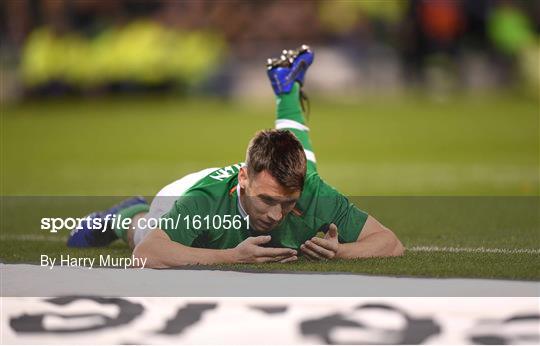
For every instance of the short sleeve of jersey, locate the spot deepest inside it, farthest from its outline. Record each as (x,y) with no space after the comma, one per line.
(174,224)
(333,207)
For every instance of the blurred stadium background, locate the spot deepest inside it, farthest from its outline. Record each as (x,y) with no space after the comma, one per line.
(89,47)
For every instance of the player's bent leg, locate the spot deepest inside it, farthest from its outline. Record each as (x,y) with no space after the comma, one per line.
(98,229)
(162,203)
(287,75)
(133,229)
(291,117)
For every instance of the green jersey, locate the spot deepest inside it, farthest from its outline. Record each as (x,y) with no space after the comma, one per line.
(210,215)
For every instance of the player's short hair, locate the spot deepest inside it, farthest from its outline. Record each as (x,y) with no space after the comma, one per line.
(281,154)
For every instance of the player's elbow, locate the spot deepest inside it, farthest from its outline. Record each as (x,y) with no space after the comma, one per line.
(144,252)
(394,246)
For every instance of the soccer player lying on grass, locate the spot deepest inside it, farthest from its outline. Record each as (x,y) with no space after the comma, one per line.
(269,209)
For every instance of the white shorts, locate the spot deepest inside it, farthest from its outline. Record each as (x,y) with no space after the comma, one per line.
(165,198)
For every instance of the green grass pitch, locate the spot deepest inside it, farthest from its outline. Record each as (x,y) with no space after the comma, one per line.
(461,173)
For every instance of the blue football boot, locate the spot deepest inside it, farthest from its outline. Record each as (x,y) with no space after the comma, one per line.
(290,67)
(86,234)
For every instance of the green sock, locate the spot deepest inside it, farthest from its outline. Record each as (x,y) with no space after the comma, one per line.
(289,107)
(290,117)
(129,213)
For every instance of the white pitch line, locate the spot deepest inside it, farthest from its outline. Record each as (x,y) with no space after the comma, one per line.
(471,250)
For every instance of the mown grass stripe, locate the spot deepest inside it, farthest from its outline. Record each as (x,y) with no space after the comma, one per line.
(427,248)
(33,237)
(471,250)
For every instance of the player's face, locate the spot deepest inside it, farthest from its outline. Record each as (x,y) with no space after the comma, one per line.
(265,200)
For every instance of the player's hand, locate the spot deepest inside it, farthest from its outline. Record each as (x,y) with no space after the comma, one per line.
(251,251)
(322,248)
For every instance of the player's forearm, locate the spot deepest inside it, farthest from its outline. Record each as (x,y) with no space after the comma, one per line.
(161,252)
(380,244)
